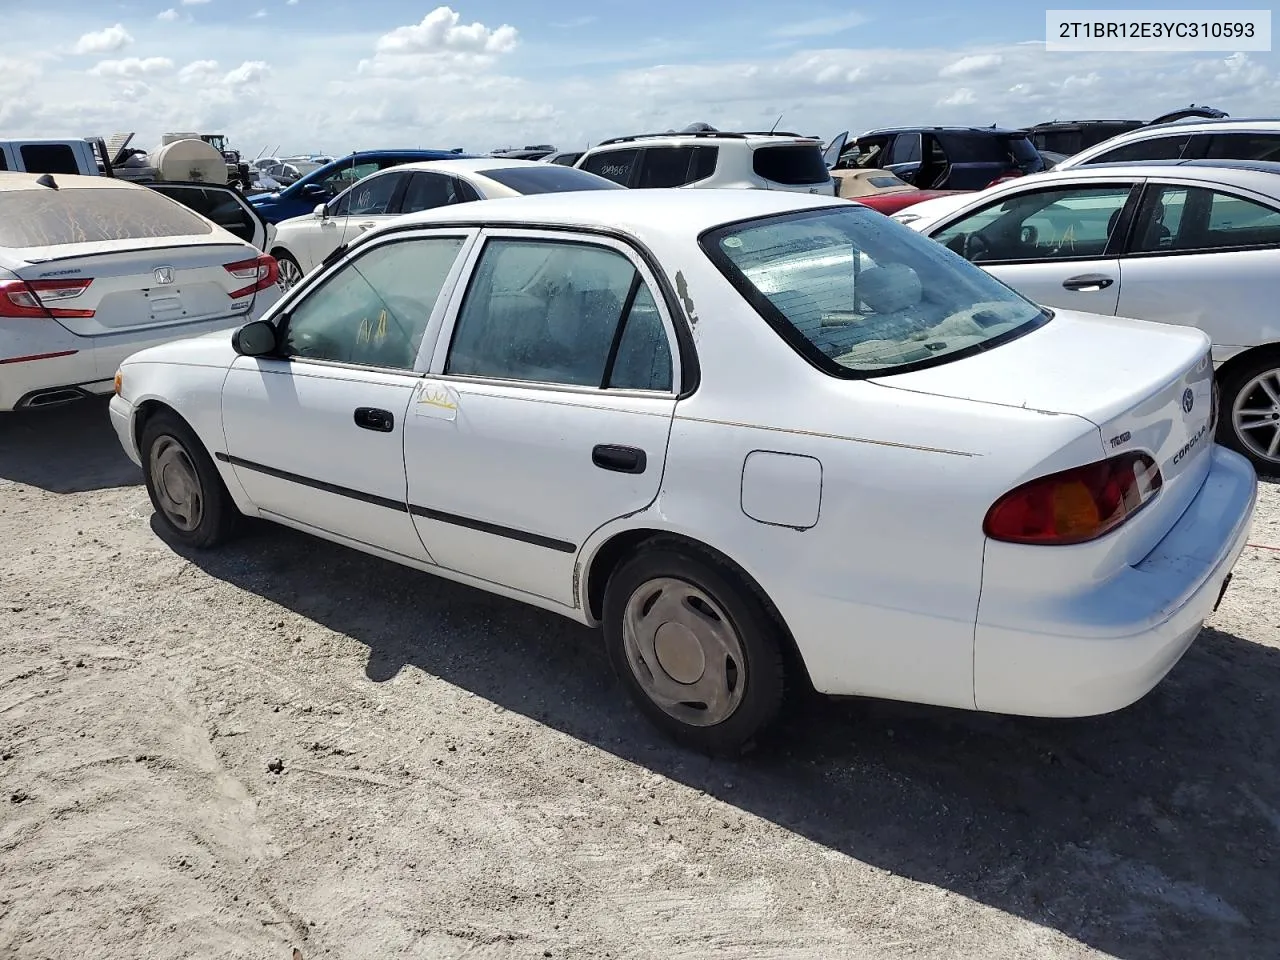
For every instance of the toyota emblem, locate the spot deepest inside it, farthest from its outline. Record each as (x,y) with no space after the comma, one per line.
(164,275)
(1188,400)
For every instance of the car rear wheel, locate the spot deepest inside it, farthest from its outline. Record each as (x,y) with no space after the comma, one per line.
(1251,408)
(184,485)
(290,271)
(697,649)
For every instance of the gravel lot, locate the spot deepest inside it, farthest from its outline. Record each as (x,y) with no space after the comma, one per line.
(287,749)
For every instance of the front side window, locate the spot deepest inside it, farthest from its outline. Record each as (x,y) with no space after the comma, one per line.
(1155,148)
(858,295)
(372,197)
(338,180)
(615,165)
(373,310)
(551,312)
(1071,222)
(906,148)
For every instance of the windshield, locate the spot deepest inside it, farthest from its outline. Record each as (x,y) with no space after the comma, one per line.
(548,178)
(859,294)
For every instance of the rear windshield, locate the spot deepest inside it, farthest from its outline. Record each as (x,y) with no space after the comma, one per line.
(792,165)
(858,294)
(1023,149)
(47,217)
(548,178)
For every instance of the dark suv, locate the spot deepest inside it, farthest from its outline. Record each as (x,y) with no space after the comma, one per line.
(946,158)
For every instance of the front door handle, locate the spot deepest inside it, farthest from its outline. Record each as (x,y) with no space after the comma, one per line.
(609,456)
(371,418)
(366,226)
(1088,282)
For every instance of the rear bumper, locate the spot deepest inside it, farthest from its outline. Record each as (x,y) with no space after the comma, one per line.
(1101,649)
(24,383)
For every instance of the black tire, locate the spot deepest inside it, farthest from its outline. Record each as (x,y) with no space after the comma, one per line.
(283,257)
(170,449)
(1229,390)
(760,679)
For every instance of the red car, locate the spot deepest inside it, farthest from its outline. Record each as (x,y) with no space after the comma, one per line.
(890,202)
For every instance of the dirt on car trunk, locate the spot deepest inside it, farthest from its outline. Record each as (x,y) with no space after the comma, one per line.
(288,746)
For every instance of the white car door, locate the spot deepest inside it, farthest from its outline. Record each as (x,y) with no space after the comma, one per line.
(1056,245)
(1208,259)
(548,409)
(316,433)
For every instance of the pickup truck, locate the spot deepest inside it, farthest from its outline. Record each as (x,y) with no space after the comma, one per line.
(52,156)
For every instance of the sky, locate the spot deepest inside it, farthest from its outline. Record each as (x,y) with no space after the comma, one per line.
(303,76)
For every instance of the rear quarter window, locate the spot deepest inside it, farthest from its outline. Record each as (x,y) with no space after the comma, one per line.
(793,165)
(44,217)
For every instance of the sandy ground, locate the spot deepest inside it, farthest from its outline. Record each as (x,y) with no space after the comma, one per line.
(288,746)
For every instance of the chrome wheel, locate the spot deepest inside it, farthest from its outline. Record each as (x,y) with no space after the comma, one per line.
(177,484)
(1255,415)
(290,273)
(684,652)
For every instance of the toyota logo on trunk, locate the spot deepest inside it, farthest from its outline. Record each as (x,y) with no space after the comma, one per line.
(1188,400)
(164,275)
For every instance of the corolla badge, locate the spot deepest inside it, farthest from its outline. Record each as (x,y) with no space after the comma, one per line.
(1188,400)
(164,275)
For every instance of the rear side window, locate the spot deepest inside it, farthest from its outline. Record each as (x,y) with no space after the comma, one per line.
(1244,146)
(43,217)
(547,178)
(1157,148)
(49,158)
(975,148)
(677,166)
(4,161)
(615,165)
(792,165)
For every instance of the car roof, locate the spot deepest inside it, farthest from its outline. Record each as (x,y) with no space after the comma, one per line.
(1260,175)
(751,136)
(680,212)
(466,164)
(66,181)
(999,131)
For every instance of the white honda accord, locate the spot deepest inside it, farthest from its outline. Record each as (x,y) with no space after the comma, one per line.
(761,438)
(93,269)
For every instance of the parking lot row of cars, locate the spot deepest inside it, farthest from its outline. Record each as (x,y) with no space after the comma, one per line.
(763,437)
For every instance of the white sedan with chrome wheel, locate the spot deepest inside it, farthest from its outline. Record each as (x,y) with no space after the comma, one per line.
(761,438)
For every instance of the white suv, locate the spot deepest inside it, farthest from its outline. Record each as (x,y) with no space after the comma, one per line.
(713,159)
(1191,139)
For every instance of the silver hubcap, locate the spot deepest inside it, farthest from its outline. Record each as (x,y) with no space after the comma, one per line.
(683,652)
(289,273)
(177,484)
(1255,415)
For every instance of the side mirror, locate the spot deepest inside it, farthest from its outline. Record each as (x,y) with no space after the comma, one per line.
(255,339)
(321,212)
(313,190)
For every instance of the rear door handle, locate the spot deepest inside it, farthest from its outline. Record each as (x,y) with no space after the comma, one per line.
(1088,282)
(609,456)
(371,418)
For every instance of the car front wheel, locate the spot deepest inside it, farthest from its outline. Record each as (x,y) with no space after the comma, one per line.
(1250,418)
(698,651)
(184,485)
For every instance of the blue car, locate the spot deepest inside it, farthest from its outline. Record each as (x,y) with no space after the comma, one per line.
(325,183)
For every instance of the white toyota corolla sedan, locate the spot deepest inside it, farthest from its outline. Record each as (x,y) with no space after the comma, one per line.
(760,437)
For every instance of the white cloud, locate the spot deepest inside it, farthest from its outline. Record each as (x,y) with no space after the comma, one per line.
(107,40)
(198,70)
(251,71)
(960,97)
(290,3)
(132,67)
(821,26)
(259,15)
(193,3)
(972,66)
(441,32)
(167,15)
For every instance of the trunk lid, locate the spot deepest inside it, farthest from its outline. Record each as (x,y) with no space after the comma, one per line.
(150,283)
(1146,386)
